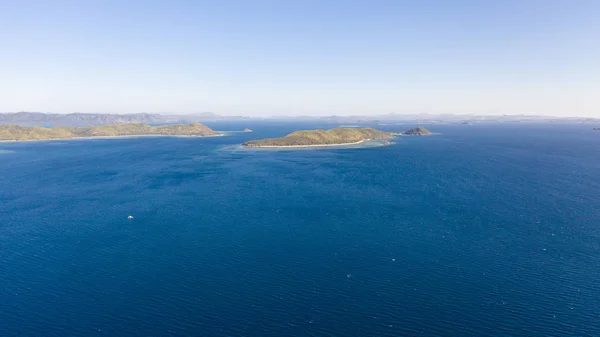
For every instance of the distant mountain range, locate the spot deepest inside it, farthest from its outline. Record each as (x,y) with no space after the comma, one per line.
(48,119)
(54,119)
(424,118)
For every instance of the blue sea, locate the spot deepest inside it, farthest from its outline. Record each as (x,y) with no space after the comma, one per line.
(481,230)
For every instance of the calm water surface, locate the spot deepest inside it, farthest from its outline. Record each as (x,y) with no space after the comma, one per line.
(484,230)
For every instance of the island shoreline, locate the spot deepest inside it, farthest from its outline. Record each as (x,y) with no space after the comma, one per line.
(300,146)
(104,137)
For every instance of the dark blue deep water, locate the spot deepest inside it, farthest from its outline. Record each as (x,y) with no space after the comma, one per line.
(484,230)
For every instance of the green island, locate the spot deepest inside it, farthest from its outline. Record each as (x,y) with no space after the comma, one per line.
(25,133)
(332,137)
(320,137)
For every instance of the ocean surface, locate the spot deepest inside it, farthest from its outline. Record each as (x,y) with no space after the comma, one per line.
(482,230)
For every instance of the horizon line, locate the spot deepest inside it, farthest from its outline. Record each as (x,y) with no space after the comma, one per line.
(296,115)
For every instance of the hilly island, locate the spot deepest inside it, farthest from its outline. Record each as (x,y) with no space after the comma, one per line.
(418,131)
(23,133)
(331,137)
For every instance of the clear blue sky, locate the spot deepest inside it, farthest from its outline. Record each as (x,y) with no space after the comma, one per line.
(256,57)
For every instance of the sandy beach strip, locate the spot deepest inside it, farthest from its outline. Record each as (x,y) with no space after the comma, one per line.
(297,146)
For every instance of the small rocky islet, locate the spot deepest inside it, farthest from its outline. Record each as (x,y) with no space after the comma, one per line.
(418,131)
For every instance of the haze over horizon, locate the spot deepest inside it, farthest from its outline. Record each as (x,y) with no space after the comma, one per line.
(318,58)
